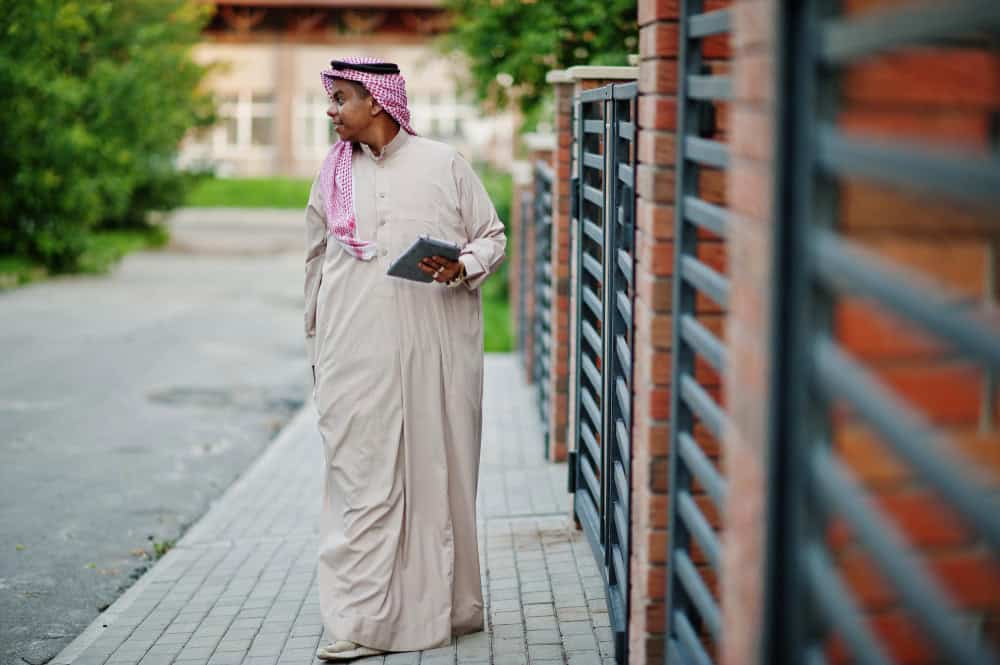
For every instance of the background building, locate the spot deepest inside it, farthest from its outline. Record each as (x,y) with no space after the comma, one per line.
(272,108)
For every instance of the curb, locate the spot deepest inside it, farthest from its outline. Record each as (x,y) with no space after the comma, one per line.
(217,510)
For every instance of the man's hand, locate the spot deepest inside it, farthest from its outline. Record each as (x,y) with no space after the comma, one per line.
(441,269)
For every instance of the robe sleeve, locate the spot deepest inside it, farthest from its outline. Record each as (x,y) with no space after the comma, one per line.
(315,251)
(487,241)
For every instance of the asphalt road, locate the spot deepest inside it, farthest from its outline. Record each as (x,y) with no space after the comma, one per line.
(128,403)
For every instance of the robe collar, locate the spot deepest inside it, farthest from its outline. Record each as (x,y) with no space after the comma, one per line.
(391,148)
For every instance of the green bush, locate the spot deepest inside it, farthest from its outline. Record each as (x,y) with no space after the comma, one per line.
(510,46)
(97,96)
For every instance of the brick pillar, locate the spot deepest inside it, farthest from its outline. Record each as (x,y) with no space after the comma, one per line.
(653,326)
(561,259)
(748,332)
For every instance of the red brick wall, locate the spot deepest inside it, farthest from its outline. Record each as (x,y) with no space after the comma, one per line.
(657,113)
(559,380)
(936,96)
(941,96)
(747,329)
(658,46)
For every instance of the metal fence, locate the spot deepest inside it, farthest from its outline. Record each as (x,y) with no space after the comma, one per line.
(604,237)
(694,620)
(809,600)
(542,365)
(524,281)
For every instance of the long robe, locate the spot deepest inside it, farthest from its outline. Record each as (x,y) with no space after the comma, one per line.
(398,388)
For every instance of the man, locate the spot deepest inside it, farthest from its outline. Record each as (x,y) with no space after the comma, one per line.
(398,371)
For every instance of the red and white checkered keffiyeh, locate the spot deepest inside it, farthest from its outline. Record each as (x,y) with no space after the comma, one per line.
(336,180)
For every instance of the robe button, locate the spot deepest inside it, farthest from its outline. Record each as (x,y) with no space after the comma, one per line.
(381,222)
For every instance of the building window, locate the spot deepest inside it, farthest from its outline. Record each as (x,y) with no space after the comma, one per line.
(229,114)
(262,119)
(313,130)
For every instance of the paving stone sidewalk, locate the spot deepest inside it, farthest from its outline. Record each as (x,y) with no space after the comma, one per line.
(240,587)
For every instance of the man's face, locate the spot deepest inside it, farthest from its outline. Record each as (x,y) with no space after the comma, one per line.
(351,110)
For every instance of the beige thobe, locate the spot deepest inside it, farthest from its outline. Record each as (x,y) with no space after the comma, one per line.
(398,387)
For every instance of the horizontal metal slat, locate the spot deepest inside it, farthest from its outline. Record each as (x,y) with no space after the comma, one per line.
(847,268)
(699,527)
(590,406)
(618,562)
(707,216)
(625,91)
(590,441)
(963,177)
(592,336)
(621,525)
(626,130)
(594,195)
(593,231)
(703,406)
(702,468)
(706,152)
(709,87)
(593,266)
(621,497)
(593,374)
(915,586)
(593,302)
(698,592)
(590,479)
(625,265)
(846,40)
(709,23)
(704,342)
(706,280)
(624,441)
(593,161)
(624,306)
(624,398)
(596,94)
(624,352)
(840,609)
(689,648)
(627,175)
(910,438)
(593,127)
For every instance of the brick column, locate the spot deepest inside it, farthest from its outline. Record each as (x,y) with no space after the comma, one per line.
(748,332)
(653,326)
(561,258)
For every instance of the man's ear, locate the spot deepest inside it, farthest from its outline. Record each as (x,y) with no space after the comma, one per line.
(376,107)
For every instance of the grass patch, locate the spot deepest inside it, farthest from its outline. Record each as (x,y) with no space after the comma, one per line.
(497,334)
(17,271)
(104,249)
(250,193)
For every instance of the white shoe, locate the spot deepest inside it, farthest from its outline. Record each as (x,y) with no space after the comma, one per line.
(345,650)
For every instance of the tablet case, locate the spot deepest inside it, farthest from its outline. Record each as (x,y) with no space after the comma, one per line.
(407,265)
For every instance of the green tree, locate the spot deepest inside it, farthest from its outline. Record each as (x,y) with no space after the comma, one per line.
(97,96)
(512,44)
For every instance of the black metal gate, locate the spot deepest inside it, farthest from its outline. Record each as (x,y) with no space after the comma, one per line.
(523,281)
(542,366)
(811,484)
(694,621)
(604,228)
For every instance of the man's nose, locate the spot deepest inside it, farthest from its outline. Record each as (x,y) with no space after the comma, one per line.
(332,111)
